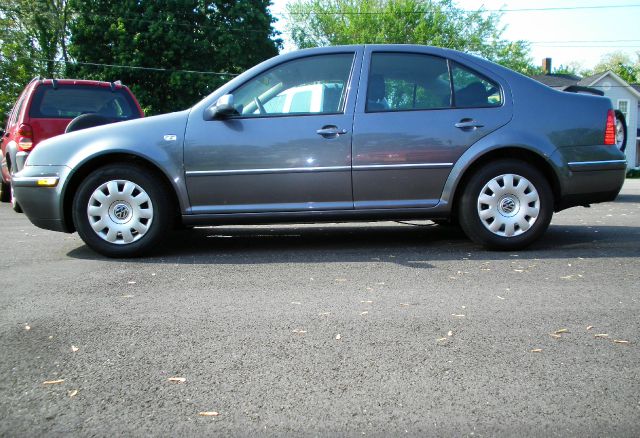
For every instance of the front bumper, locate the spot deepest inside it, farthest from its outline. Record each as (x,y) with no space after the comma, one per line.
(41,199)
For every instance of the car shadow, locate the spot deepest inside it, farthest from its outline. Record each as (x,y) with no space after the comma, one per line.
(416,246)
(628,198)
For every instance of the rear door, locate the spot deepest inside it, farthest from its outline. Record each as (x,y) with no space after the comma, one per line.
(417,113)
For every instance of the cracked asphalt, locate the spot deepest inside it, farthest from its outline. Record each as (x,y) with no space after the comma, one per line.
(375,329)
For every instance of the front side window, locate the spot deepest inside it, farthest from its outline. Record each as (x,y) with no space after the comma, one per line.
(405,81)
(471,90)
(313,85)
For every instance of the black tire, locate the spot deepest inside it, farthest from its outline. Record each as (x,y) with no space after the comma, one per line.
(508,208)
(621,120)
(5,192)
(157,228)
(14,204)
(85,121)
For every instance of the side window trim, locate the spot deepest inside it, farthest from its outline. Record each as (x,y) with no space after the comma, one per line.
(343,98)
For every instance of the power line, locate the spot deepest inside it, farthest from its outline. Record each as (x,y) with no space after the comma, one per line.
(561,8)
(134,67)
(585,41)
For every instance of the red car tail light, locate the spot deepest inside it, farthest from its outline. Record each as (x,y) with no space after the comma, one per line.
(610,130)
(25,137)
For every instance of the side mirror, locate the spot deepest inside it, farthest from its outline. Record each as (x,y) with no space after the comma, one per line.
(223,108)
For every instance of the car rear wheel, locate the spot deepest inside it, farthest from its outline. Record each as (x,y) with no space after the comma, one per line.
(621,131)
(14,203)
(506,205)
(85,121)
(122,210)
(5,194)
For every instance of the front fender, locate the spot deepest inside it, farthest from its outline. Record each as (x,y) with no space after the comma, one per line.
(157,140)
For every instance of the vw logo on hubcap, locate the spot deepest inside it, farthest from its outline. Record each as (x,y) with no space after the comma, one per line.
(507,205)
(120,212)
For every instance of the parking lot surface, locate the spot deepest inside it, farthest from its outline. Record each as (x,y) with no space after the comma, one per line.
(380,329)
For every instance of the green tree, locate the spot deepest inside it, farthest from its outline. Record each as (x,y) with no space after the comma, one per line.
(313,23)
(33,34)
(195,35)
(621,64)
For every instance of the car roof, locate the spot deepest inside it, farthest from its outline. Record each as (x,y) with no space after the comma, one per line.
(83,82)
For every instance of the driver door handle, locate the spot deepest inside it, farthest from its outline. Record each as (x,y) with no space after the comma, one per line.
(468,124)
(330,131)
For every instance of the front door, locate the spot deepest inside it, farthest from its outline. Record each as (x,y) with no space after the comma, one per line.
(287,149)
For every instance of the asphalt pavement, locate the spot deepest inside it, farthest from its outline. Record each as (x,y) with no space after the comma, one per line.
(375,329)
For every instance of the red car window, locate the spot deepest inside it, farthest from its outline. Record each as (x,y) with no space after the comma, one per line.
(71,101)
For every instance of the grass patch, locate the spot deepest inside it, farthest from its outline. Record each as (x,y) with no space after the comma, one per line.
(633,173)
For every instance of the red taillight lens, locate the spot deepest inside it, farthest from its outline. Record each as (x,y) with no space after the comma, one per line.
(610,130)
(25,137)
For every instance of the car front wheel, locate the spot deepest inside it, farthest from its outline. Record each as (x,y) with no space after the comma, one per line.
(122,210)
(506,205)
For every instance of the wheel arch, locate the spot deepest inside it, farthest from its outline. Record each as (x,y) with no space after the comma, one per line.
(508,152)
(95,162)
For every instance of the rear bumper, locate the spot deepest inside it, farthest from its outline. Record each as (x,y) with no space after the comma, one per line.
(42,205)
(591,182)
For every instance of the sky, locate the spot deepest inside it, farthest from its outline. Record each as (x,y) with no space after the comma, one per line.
(579,36)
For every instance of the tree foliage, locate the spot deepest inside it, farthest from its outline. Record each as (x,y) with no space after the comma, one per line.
(32,35)
(441,23)
(621,64)
(196,35)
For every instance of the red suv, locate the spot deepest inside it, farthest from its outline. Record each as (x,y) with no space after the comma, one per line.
(50,107)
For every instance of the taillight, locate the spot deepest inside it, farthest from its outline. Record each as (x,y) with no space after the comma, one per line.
(610,130)
(25,137)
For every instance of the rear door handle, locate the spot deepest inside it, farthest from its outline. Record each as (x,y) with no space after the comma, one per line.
(330,131)
(468,124)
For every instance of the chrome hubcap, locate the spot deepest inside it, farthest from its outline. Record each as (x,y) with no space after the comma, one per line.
(508,205)
(120,212)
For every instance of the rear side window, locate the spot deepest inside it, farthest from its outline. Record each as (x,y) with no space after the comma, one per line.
(13,119)
(68,102)
(471,90)
(406,81)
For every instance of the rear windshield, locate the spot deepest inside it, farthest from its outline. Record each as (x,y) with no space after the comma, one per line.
(69,101)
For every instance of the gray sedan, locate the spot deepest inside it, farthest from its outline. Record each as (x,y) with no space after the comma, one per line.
(370,132)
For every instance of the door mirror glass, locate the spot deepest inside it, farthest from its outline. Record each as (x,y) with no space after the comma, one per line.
(223,108)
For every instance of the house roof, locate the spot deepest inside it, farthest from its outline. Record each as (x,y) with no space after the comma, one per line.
(563,81)
(557,80)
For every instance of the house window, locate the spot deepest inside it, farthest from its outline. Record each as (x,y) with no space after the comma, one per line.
(623,106)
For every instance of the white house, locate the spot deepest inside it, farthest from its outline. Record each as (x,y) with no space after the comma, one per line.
(624,97)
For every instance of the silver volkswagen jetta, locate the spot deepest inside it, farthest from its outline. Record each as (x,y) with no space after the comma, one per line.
(368,132)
